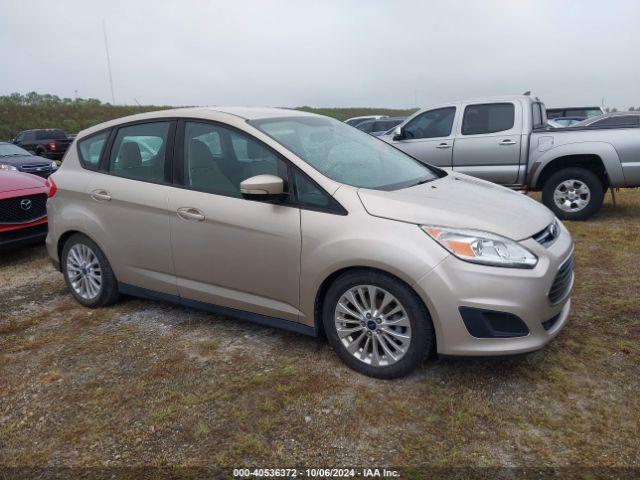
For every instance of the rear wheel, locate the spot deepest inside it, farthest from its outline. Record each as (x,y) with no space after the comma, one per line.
(41,152)
(88,273)
(376,324)
(573,193)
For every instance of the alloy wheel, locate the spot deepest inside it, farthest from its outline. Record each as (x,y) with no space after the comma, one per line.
(84,272)
(372,325)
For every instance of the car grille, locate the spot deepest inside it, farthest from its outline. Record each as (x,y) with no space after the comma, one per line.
(23,209)
(40,169)
(547,236)
(562,283)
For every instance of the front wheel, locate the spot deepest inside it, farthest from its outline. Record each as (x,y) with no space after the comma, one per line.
(573,193)
(376,324)
(88,273)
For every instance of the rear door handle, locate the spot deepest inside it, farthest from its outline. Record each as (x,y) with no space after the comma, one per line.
(507,142)
(443,145)
(100,195)
(190,213)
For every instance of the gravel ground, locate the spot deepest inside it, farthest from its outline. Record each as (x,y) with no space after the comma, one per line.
(151,384)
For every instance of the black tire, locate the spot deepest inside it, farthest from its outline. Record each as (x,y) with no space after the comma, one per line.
(590,179)
(422,341)
(108,291)
(41,152)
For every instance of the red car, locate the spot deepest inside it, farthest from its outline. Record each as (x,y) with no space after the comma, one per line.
(23,207)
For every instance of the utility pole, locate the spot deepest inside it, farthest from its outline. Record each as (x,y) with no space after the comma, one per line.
(106,48)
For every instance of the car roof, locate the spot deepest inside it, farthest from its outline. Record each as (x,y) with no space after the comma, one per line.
(42,130)
(259,113)
(225,114)
(575,108)
(590,120)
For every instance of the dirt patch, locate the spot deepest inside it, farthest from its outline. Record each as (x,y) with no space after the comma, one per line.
(148,383)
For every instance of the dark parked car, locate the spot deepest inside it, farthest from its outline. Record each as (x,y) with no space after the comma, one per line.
(48,143)
(380,126)
(15,158)
(23,208)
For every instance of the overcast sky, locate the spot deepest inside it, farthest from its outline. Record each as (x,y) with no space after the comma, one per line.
(323,53)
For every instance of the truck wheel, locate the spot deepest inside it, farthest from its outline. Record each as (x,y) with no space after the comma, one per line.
(573,193)
(41,152)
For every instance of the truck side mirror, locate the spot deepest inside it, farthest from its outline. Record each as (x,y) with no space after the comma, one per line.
(398,133)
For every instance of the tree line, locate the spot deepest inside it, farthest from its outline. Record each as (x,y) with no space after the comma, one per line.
(34,110)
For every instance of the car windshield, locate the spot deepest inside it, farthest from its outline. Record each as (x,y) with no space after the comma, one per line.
(10,150)
(345,154)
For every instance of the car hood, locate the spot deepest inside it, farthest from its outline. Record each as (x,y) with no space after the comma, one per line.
(461,201)
(18,161)
(10,181)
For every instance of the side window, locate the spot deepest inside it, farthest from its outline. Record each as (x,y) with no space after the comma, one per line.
(488,118)
(138,152)
(217,159)
(308,193)
(366,127)
(431,124)
(618,120)
(90,150)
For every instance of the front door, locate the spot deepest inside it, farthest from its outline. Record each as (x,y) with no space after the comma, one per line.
(229,251)
(429,137)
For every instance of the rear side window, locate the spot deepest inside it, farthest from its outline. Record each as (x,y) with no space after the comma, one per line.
(90,150)
(431,124)
(138,152)
(488,118)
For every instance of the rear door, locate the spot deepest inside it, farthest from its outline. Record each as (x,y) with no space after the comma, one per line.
(429,137)
(128,198)
(488,142)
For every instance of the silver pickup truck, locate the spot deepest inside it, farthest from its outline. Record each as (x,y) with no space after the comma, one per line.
(506,140)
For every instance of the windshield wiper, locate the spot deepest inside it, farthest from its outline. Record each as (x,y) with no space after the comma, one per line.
(421,182)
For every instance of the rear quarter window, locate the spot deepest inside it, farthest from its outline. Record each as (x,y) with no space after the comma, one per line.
(90,150)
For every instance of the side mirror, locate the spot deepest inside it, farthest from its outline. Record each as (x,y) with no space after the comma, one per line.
(398,134)
(262,188)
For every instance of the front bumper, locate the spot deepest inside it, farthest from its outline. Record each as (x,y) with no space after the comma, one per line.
(30,233)
(520,292)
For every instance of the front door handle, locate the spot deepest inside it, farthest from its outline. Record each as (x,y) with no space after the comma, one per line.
(100,195)
(443,145)
(507,142)
(190,213)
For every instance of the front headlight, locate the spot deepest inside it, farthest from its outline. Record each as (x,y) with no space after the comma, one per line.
(54,166)
(482,247)
(4,166)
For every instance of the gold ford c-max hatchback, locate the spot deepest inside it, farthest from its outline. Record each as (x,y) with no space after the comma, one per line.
(302,222)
